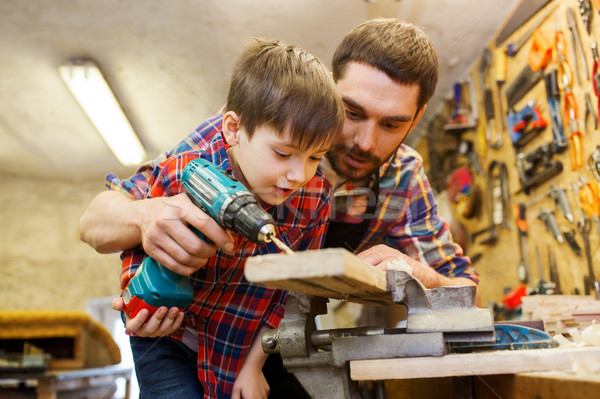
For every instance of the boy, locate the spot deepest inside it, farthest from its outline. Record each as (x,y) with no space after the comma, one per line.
(283,112)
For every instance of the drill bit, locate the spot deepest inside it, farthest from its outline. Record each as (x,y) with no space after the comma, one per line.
(280,244)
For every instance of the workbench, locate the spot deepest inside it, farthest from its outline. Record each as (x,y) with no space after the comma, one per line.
(532,373)
(99,382)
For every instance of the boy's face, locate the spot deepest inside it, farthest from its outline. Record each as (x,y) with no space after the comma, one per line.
(271,166)
(379,114)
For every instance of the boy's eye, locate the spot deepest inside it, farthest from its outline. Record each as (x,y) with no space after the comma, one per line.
(316,159)
(281,155)
(352,114)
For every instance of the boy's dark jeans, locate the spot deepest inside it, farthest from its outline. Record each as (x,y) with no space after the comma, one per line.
(165,368)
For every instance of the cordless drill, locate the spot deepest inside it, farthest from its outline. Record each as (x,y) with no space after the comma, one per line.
(230,204)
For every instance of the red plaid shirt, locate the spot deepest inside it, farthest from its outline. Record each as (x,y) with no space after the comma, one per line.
(227,309)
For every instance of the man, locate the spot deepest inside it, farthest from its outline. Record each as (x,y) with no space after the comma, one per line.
(386,71)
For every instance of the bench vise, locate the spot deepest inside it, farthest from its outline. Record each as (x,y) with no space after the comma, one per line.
(320,359)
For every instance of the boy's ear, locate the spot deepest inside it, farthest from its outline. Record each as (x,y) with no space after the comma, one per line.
(231,128)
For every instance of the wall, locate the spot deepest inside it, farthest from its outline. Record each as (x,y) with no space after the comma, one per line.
(498,262)
(43,263)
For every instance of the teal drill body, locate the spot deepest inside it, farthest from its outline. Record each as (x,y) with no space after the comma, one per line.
(225,200)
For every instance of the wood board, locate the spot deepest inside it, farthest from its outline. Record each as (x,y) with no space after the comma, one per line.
(471,364)
(332,273)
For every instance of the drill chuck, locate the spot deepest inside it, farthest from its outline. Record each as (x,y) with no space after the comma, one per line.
(227,201)
(244,216)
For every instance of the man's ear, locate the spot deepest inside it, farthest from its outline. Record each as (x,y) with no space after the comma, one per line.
(231,128)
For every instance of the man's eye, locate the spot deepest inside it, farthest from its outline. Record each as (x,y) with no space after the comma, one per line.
(390,126)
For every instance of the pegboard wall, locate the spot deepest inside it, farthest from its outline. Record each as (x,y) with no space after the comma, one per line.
(541,163)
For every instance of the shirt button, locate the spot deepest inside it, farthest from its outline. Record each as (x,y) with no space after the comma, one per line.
(283,234)
(203,320)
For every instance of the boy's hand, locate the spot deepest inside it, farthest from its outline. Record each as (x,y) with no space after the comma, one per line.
(163,322)
(250,383)
(167,237)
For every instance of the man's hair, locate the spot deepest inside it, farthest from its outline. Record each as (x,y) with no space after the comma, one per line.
(398,48)
(284,86)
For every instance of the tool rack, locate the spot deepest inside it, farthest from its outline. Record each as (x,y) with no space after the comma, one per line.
(497,260)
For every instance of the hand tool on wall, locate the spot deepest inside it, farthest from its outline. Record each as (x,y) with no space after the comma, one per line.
(577,47)
(596,74)
(543,287)
(523,270)
(553,96)
(585,11)
(541,51)
(584,227)
(525,124)
(589,200)
(589,112)
(575,141)
(225,200)
(547,216)
(466,149)
(500,72)
(522,84)
(554,276)
(513,48)
(492,136)
(519,17)
(593,164)
(497,200)
(572,242)
(590,282)
(559,195)
(537,166)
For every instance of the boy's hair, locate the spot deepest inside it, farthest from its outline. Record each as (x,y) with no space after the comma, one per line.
(284,86)
(398,48)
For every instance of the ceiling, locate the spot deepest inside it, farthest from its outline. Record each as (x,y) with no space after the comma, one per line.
(169,63)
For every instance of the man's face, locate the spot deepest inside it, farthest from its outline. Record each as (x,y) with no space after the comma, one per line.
(379,115)
(272,167)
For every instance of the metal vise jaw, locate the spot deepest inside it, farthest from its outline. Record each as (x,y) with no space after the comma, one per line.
(449,310)
(320,358)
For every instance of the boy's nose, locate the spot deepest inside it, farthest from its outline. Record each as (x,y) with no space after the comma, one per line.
(296,172)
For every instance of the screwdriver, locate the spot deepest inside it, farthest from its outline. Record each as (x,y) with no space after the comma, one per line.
(523,271)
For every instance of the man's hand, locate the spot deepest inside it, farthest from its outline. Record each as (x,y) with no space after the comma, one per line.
(163,322)
(381,255)
(167,237)
(113,222)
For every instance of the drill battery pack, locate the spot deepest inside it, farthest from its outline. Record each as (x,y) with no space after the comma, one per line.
(164,288)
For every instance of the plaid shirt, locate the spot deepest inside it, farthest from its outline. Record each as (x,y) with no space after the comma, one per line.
(406,217)
(227,310)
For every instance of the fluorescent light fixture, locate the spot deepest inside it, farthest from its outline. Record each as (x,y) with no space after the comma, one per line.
(87,84)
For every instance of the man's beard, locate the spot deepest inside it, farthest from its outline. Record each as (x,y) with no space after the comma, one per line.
(337,151)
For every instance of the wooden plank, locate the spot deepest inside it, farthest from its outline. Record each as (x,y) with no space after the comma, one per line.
(470,364)
(333,273)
